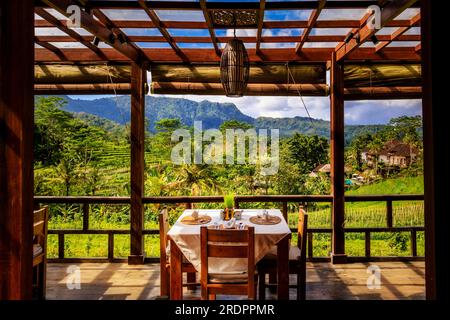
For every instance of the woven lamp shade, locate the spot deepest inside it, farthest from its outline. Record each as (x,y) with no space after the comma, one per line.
(234,68)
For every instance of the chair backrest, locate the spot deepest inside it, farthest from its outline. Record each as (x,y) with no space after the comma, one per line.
(163,229)
(302,232)
(231,243)
(40,227)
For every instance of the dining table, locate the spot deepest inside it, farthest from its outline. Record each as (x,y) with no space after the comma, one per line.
(184,242)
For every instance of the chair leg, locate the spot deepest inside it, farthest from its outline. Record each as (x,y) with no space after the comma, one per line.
(41,281)
(191,278)
(165,281)
(204,293)
(301,284)
(273,280)
(262,286)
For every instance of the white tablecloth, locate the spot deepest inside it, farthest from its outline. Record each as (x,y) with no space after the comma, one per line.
(187,238)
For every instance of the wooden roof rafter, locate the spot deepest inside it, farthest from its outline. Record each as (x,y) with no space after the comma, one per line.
(209,24)
(57,51)
(157,22)
(71,33)
(389,12)
(99,30)
(260,17)
(111,25)
(397,33)
(311,22)
(186,39)
(167,55)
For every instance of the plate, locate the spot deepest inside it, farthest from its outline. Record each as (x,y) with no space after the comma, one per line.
(189,220)
(271,220)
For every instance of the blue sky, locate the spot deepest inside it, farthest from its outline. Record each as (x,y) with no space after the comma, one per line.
(360,112)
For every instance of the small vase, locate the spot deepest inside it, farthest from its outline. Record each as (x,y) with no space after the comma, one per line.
(229,213)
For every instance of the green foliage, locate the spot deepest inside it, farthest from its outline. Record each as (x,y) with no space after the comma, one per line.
(399,241)
(307,152)
(234,124)
(228,201)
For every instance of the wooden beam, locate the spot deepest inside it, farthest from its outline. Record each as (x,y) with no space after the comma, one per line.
(99,30)
(311,22)
(244,5)
(77,55)
(16,149)
(51,48)
(398,33)
(337,159)
(389,12)
(209,23)
(138,81)
(97,88)
(262,6)
(112,26)
(259,73)
(74,35)
(418,48)
(382,93)
(187,39)
(155,19)
(253,89)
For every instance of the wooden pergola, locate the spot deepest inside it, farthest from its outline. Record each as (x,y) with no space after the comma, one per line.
(74,62)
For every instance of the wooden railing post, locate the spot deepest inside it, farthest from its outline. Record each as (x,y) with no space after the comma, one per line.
(414,243)
(138,81)
(61,246)
(86,216)
(337,161)
(285,212)
(111,246)
(367,243)
(389,218)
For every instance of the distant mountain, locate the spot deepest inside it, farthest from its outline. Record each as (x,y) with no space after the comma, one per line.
(212,114)
(289,126)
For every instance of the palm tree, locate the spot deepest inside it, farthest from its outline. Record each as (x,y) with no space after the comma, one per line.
(375,147)
(194,179)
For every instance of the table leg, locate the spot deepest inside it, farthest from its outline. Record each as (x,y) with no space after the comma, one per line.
(176,280)
(283,268)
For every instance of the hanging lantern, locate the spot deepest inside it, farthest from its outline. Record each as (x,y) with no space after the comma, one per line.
(234,68)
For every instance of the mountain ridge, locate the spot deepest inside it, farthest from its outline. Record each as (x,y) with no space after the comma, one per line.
(212,114)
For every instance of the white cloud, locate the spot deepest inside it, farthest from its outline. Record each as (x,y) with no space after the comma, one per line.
(356,112)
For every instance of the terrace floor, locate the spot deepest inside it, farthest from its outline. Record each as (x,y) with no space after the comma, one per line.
(399,280)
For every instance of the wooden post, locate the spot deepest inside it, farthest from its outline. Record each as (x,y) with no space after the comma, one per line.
(337,160)
(138,81)
(389,216)
(436,134)
(86,216)
(16,148)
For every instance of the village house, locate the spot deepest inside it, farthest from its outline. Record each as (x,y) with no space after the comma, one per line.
(394,154)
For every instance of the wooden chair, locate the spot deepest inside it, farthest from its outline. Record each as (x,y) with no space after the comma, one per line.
(228,244)
(297,261)
(40,252)
(186,266)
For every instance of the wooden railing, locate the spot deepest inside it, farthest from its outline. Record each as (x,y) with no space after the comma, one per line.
(188,201)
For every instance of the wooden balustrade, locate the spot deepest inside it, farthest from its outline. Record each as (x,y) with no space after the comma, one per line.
(188,202)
